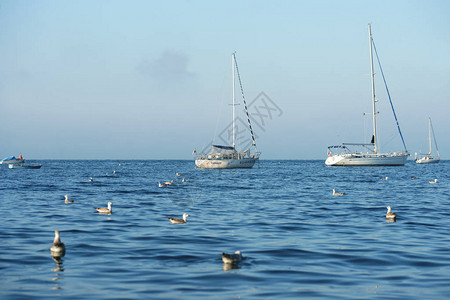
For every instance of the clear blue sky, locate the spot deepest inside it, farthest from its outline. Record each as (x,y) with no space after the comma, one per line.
(151,79)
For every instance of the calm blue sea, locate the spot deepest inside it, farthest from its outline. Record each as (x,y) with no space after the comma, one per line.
(299,241)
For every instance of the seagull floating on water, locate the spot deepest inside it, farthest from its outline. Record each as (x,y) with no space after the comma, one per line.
(57,249)
(162,184)
(168,182)
(337,194)
(67,200)
(384,178)
(183,180)
(433,181)
(104,210)
(178,174)
(91,179)
(232,258)
(413,177)
(178,221)
(389,214)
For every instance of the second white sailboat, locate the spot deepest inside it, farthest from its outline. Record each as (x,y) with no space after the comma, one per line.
(370,155)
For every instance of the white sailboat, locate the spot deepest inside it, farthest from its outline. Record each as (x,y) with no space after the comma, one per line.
(427,158)
(227,157)
(369,156)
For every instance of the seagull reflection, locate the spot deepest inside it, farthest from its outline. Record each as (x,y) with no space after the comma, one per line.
(390,221)
(58,270)
(227,267)
(59,264)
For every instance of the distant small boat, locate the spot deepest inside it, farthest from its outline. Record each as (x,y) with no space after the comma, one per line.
(12,160)
(20,166)
(427,158)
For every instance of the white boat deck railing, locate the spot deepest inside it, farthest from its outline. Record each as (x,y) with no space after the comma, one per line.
(210,156)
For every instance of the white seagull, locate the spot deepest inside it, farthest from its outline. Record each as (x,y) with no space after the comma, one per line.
(337,194)
(232,258)
(57,249)
(389,214)
(67,200)
(104,210)
(433,181)
(178,221)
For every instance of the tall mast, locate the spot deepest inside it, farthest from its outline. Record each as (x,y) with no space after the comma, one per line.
(234,107)
(429,133)
(373,95)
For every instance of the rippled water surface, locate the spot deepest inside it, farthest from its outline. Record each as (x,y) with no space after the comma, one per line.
(298,239)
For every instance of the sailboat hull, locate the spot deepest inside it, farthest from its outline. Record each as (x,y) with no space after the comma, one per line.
(351,159)
(427,160)
(245,163)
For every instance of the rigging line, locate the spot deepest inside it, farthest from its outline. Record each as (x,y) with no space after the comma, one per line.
(389,95)
(245,103)
(434,137)
(388,141)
